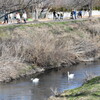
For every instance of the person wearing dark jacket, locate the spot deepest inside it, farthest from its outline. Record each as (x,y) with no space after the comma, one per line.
(75,14)
(54,15)
(80,14)
(6,18)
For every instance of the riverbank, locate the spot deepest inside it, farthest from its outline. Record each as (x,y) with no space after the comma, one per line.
(89,91)
(33,48)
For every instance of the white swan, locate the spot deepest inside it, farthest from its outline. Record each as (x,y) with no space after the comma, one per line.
(70,76)
(35,80)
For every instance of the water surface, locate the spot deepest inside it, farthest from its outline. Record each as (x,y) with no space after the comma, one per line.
(24,89)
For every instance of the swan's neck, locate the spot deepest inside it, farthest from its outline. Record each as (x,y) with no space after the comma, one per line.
(68,73)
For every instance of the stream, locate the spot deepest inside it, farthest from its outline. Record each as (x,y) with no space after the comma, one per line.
(24,89)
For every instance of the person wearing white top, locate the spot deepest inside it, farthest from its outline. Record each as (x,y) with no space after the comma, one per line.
(18,17)
(11,17)
(24,16)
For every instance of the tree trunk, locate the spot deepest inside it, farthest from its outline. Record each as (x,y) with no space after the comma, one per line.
(36,14)
(90,8)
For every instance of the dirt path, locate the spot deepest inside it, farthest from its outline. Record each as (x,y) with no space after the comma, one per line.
(49,20)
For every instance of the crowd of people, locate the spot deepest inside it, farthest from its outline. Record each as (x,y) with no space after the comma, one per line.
(22,17)
(74,15)
(9,18)
(57,15)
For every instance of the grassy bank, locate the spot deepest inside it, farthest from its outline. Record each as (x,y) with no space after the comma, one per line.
(31,48)
(89,91)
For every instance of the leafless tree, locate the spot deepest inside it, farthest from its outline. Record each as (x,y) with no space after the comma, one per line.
(36,5)
(81,3)
(11,6)
(14,6)
(77,4)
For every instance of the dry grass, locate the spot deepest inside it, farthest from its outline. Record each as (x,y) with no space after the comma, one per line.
(50,44)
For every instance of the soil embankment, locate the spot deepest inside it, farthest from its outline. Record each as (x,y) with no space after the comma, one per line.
(27,49)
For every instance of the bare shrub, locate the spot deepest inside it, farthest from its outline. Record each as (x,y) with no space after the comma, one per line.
(54,91)
(36,45)
(89,76)
(93,26)
(40,46)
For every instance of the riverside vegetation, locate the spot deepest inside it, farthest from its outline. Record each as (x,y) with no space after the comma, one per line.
(89,91)
(33,48)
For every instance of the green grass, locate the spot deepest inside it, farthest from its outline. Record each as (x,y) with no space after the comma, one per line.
(50,24)
(29,19)
(89,91)
(10,27)
(53,27)
(68,29)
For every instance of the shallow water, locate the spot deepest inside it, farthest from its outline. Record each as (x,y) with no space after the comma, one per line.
(24,89)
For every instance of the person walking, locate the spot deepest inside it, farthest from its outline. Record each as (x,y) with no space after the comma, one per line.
(75,14)
(71,15)
(18,18)
(5,18)
(11,17)
(80,14)
(54,15)
(58,15)
(24,16)
(61,15)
